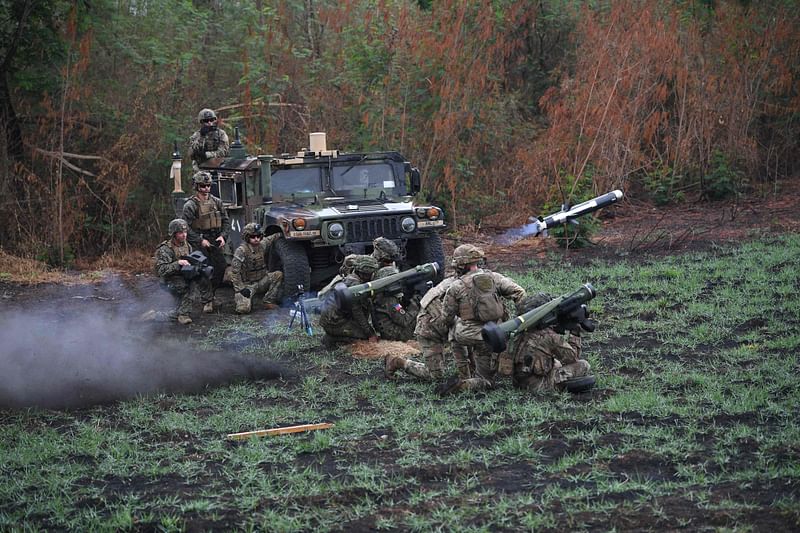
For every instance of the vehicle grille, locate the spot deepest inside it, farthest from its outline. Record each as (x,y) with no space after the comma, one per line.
(367,229)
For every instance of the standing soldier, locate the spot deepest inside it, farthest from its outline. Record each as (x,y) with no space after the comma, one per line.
(209,141)
(342,326)
(471,301)
(393,320)
(546,359)
(208,228)
(431,332)
(168,265)
(249,273)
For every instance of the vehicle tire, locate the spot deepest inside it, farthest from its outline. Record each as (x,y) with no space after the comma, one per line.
(428,250)
(290,258)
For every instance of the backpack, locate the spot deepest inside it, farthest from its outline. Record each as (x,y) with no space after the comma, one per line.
(486,303)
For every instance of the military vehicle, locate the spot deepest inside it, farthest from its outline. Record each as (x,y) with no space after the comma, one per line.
(327,204)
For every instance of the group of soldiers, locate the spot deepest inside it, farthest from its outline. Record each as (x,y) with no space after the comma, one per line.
(446,319)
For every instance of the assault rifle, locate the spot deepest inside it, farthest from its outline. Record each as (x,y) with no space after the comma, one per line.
(345,296)
(198,266)
(565,312)
(567,215)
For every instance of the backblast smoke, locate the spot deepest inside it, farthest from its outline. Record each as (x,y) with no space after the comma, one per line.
(52,362)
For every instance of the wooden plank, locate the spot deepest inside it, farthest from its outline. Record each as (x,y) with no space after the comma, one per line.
(278,431)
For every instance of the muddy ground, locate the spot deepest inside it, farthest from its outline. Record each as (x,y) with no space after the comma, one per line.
(637,233)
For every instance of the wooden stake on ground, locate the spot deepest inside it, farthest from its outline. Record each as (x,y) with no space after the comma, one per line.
(278,431)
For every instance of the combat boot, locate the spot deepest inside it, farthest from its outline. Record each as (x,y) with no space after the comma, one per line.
(449,387)
(208,307)
(184,319)
(393,363)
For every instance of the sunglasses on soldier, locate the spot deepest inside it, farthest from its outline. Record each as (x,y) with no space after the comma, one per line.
(209,120)
(203,185)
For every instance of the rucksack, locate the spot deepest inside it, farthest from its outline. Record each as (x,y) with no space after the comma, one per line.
(486,303)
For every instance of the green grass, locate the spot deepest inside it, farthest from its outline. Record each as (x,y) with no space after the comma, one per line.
(696,361)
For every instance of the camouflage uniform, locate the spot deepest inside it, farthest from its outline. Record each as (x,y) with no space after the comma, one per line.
(392,320)
(346,326)
(167,268)
(460,310)
(544,358)
(208,142)
(249,271)
(432,331)
(208,220)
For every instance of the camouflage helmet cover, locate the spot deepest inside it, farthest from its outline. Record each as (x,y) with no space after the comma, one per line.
(532,301)
(202,177)
(206,114)
(177,225)
(251,229)
(385,250)
(466,254)
(365,264)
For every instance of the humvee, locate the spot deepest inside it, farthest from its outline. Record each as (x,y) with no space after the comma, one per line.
(327,204)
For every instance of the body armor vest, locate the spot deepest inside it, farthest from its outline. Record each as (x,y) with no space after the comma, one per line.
(208,216)
(255,262)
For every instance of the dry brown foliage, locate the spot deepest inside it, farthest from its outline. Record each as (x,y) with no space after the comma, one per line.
(379,350)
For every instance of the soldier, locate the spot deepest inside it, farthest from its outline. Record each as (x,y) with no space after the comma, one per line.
(471,301)
(249,273)
(342,326)
(209,141)
(393,320)
(344,271)
(385,251)
(545,359)
(432,334)
(168,264)
(208,228)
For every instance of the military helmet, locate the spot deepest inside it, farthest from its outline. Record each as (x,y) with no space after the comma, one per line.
(385,250)
(250,230)
(206,114)
(532,301)
(178,225)
(466,254)
(365,264)
(202,177)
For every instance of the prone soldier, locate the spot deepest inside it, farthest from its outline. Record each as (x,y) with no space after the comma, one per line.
(249,272)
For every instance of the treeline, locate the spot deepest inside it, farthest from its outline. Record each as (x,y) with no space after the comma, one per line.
(507,107)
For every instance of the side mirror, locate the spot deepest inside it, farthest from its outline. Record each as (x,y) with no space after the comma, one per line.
(415,183)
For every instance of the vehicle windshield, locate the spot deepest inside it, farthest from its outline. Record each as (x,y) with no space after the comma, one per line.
(285,182)
(362,176)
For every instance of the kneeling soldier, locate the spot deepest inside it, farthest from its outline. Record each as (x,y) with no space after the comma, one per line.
(545,359)
(249,273)
(342,325)
(393,320)
(169,266)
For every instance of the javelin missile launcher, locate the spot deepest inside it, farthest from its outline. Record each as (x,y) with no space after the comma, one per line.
(345,296)
(566,309)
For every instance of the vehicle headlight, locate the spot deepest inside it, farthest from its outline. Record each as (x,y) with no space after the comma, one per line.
(335,231)
(433,213)
(299,224)
(408,225)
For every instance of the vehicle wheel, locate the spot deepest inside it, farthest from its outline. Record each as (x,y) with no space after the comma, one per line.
(290,258)
(428,250)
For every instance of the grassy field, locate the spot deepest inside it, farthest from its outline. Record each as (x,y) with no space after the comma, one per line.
(694,426)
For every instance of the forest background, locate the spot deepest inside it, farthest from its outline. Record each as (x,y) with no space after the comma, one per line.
(505,106)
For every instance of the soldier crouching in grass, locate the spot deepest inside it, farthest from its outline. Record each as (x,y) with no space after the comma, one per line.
(344,326)
(472,301)
(392,320)
(249,272)
(169,266)
(431,332)
(548,359)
